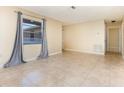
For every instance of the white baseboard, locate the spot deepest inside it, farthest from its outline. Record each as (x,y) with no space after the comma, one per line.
(90,52)
(32,59)
(35,58)
(55,53)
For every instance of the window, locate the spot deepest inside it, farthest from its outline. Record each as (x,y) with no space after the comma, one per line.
(31,32)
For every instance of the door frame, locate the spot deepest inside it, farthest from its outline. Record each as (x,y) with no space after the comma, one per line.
(108,33)
(120,38)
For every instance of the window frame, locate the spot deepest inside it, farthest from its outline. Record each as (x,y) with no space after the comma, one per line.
(41,26)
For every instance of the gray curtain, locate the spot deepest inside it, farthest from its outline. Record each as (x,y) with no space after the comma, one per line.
(44,47)
(16,56)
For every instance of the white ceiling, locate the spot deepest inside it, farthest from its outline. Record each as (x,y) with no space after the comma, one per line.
(81,14)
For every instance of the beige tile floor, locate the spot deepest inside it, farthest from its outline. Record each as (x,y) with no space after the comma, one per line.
(67,69)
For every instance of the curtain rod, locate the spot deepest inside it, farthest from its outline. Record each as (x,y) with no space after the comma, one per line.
(29,15)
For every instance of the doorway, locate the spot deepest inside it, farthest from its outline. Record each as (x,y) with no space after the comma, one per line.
(113,38)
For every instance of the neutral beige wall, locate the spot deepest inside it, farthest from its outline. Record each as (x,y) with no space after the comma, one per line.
(7,33)
(8,30)
(85,37)
(54,35)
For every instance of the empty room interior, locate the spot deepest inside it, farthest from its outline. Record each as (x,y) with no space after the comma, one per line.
(61,46)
